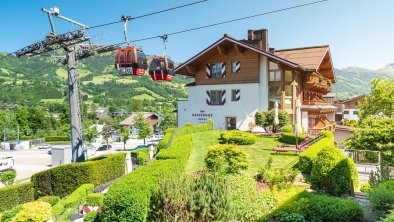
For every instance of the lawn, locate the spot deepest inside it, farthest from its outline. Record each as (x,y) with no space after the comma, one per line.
(262,150)
(143,96)
(258,152)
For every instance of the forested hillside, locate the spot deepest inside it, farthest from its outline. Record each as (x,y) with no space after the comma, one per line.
(33,80)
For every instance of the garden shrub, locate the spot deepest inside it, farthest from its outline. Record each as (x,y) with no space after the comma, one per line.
(56,138)
(37,211)
(142,158)
(389,217)
(237,137)
(382,199)
(91,217)
(247,204)
(64,179)
(10,214)
(279,178)
(200,198)
(307,157)
(52,200)
(287,129)
(365,188)
(321,208)
(7,178)
(282,216)
(290,138)
(14,195)
(68,205)
(95,199)
(226,158)
(130,197)
(166,139)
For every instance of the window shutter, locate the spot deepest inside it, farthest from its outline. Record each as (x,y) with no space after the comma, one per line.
(223,70)
(208,70)
(223,100)
(237,66)
(208,99)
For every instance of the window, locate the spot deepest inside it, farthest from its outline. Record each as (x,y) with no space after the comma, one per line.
(345,112)
(216,97)
(288,76)
(275,74)
(235,66)
(355,112)
(235,95)
(216,70)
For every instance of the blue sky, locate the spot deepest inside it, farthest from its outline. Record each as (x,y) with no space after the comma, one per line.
(360,32)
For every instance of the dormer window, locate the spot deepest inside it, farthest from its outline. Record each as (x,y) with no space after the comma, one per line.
(216,70)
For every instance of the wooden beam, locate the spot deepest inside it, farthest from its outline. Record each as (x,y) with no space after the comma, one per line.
(222,50)
(192,69)
(326,72)
(238,49)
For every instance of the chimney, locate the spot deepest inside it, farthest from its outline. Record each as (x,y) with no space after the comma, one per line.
(271,50)
(258,39)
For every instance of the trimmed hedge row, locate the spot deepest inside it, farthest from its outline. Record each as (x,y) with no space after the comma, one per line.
(309,155)
(237,137)
(311,207)
(129,199)
(166,139)
(64,179)
(56,138)
(189,128)
(12,196)
(290,138)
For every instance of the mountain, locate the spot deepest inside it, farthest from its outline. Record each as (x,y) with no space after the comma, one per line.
(41,80)
(355,80)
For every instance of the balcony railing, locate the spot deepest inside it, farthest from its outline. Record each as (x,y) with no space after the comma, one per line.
(315,82)
(314,102)
(315,131)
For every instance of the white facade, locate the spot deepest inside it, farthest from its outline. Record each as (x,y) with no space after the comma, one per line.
(350,114)
(196,110)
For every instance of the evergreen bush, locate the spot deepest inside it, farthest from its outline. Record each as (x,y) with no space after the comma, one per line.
(226,158)
(382,199)
(64,179)
(95,199)
(166,139)
(37,211)
(237,137)
(52,200)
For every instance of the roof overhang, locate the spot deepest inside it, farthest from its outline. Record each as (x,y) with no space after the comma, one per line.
(183,68)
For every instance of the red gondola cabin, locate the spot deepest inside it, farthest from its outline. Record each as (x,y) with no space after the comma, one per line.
(161,69)
(130,61)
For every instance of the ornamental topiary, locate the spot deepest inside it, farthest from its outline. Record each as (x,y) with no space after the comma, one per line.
(226,158)
(237,137)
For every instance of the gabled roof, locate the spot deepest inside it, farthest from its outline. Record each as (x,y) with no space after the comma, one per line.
(229,39)
(307,57)
(352,99)
(129,121)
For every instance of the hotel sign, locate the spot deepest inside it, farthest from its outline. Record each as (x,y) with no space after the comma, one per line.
(202,117)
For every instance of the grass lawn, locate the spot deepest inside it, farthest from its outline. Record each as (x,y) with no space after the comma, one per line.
(61,73)
(258,152)
(262,150)
(143,96)
(201,142)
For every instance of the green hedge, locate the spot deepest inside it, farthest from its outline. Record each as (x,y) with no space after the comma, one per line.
(319,208)
(237,137)
(12,196)
(189,128)
(309,155)
(290,138)
(95,199)
(52,200)
(129,199)
(56,138)
(166,139)
(68,205)
(64,179)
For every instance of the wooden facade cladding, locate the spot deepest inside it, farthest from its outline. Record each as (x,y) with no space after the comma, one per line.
(249,63)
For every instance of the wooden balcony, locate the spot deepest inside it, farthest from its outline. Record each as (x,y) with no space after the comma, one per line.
(316,102)
(316,83)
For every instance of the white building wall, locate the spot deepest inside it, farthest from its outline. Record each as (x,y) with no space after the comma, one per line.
(196,110)
(351,115)
(305,120)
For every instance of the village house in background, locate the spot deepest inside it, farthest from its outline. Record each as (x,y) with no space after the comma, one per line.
(101,112)
(152,118)
(348,108)
(235,78)
(121,112)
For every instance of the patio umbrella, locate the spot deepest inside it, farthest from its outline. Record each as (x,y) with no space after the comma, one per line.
(276,112)
(297,120)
